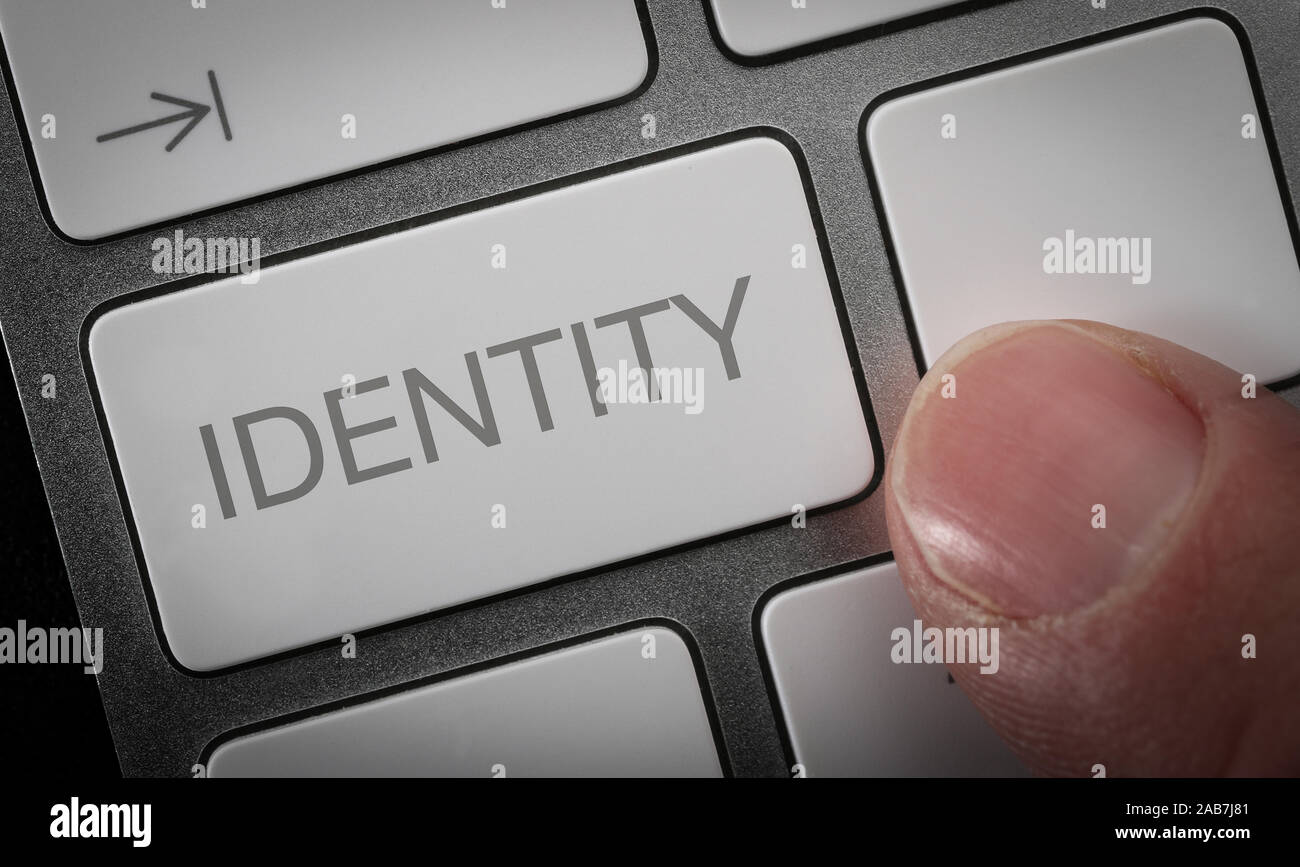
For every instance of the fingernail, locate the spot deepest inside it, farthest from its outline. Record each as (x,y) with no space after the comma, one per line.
(1056,470)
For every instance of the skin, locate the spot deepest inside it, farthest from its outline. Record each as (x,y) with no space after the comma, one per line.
(1120,646)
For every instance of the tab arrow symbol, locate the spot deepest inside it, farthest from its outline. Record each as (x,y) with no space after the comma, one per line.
(194,112)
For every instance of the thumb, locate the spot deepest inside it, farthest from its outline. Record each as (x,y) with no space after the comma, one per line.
(1157,637)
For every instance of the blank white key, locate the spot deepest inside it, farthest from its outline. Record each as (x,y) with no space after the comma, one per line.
(608,708)
(363,518)
(278,88)
(849,709)
(754,28)
(1145,150)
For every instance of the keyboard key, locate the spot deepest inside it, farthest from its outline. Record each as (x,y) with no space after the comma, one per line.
(188,109)
(849,709)
(397,426)
(1129,181)
(626,705)
(755,28)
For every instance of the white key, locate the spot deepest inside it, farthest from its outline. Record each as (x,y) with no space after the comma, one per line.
(570,483)
(273,86)
(755,28)
(627,705)
(849,709)
(1146,149)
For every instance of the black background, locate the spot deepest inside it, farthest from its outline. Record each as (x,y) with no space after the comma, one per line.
(52,725)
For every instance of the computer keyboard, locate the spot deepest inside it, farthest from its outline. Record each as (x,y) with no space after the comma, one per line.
(848,709)
(475,406)
(624,705)
(347,453)
(1128,181)
(754,31)
(283,93)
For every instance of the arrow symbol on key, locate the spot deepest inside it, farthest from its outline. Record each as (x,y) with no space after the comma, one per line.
(194,112)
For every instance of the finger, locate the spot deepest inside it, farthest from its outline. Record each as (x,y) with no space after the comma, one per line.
(1129,521)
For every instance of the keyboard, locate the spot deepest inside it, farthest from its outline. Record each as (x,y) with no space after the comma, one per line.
(501,388)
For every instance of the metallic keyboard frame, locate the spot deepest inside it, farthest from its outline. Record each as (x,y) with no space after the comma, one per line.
(162,719)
